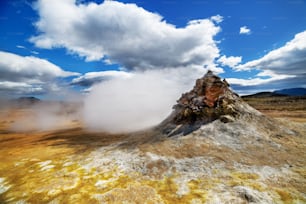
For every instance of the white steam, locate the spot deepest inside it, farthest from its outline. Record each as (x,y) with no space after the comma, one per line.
(46,116)
(140,101)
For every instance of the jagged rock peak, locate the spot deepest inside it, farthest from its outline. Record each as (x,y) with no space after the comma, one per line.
(210,99)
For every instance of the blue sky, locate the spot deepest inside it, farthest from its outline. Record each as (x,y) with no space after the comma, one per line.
(52,46)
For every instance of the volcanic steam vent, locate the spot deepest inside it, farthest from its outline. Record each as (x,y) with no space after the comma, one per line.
(210,99)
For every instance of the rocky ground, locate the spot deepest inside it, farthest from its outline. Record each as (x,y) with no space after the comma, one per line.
(214,148)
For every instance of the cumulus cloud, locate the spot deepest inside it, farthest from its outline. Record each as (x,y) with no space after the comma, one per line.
(244,30)
(281,68)
(229,61)
(91,78)
(125,34)
(19,74)
(289,58)
(257,80)
(139,101)
(20,68)
(158,60)
(264,81)
(19,88)
(251,86)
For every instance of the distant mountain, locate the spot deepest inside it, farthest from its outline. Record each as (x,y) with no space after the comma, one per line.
(292,92)
(25,101)
(263,95)
(278,93)
(29,99)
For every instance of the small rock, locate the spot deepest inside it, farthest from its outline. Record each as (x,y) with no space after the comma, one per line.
(226,119)
(253,196)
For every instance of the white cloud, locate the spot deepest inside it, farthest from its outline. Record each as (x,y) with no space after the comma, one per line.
(229,61)
(244,30)
(28,74)
(21,47)
(29,68)
(281,68)
(12,85)
(288,59)
(218,18)
(257,80)
(9,89)
(91,78)
(35,52)
(257,84)
(159,61)
(20,88)
(31,51)
(125,34)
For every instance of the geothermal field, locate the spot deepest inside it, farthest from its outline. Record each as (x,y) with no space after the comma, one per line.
(152,102)
(212,148)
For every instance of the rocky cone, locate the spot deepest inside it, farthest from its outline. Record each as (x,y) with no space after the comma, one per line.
(210,99)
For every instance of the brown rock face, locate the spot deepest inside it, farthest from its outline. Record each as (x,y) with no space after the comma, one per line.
(206,92)
(209,99)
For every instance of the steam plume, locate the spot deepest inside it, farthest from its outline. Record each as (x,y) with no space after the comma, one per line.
(137,102)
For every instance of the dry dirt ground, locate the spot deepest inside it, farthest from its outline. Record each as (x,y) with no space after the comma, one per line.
(69,164)
(292,108)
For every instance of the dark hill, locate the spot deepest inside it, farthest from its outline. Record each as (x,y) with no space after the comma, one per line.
(264,95)
(278,93)
(292,92)
(25,101)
